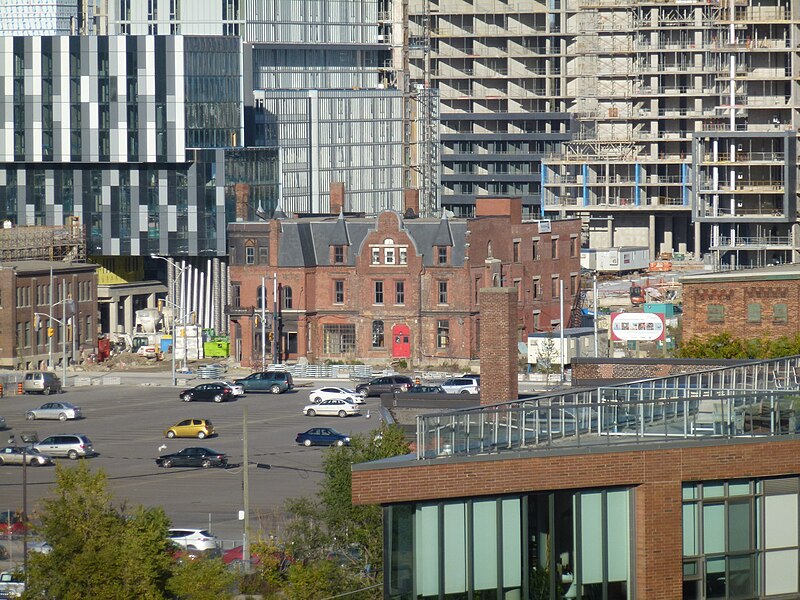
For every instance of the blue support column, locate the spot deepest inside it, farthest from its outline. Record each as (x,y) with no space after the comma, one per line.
(585,171)
(684,184)
(637,179)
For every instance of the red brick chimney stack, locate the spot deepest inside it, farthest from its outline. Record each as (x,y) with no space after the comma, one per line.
(337,197)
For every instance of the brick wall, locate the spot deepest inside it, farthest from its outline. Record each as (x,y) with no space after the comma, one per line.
(734,296)
(656,474)
(604,371)
(498,354)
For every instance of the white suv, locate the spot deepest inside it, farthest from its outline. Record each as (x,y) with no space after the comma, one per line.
(193,539)
(462,385)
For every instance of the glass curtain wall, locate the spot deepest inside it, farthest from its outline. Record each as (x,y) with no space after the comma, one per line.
(740,539)
(557,545)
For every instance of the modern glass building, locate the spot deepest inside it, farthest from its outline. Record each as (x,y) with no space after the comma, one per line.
(132,134)
(677,487)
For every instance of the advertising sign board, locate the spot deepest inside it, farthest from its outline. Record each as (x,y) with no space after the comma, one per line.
(640,327)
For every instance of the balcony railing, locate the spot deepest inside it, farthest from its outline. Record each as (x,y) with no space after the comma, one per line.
(754,400)
(752,241)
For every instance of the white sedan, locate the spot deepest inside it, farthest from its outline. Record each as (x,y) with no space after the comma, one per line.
(324,393)
(54,410)
(236,389)
(332,406)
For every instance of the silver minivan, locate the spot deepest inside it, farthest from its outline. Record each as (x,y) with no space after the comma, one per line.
(70,445)
(41,382)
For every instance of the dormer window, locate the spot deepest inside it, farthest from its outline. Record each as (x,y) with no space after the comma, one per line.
(403,256)
(441,255)
(338,255)
(376,256)
(389,254)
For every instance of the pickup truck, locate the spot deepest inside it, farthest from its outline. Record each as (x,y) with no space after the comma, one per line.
(11,584)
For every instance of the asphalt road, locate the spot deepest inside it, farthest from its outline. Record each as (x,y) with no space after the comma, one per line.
(126,423)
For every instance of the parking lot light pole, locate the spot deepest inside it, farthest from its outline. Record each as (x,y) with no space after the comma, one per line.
(175,308)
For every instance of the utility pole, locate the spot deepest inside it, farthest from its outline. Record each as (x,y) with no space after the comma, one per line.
(63,330)
(561,326)
(594,295)
(49,324)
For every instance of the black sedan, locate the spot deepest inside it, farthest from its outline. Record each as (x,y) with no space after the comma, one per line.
(322,436)
(218,392)
(426,389)
(193,457)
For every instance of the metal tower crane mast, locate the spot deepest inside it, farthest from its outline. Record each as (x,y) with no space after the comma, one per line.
(427,98)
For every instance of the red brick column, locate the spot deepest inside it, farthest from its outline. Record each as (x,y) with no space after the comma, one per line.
(498,352)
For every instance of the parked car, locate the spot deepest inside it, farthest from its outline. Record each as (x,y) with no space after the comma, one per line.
(193,539)
(218,392)
(462,385)
(234,557)
(332,406)
(41,382)
(193,457)
(2,422)
(14,455)
(54,410)
(323,393)
(275,382)
(385,385)
(236,389)
(199,428)
(11,523)
(12,584)
(322,436)
(70,445)
(426,389)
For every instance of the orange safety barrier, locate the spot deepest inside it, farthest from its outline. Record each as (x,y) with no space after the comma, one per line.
(1,389)
(19,388)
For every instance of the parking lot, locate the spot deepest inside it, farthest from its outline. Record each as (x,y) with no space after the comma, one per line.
(126,424)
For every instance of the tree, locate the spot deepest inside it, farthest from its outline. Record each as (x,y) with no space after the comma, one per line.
(331,525)
(101,550)
(724,345)
(98,551)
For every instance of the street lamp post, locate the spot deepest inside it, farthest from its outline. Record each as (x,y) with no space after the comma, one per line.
(175,308)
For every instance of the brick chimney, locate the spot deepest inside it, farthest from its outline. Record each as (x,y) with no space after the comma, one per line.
(498,353)
(411,201)
(337,197)
(242,193)
(500,207)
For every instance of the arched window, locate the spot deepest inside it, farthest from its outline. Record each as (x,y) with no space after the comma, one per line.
(287,297)
(260,297)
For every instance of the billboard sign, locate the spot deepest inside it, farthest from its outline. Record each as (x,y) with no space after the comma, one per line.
(638,327)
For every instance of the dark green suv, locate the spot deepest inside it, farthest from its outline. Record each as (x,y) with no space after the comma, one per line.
(275,382)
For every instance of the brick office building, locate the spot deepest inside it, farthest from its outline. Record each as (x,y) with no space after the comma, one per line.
(25,289)
(750,303)
(393,287)
(634,492)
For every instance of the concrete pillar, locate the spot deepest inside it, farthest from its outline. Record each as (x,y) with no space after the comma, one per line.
(127,304)
(651,237)
(669,244)
(498,353)
(151,300)
(698,255)
(113,312)
(610,231)
(795,242)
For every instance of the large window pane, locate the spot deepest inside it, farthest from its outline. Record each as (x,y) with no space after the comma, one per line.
(713,528)
(426,546)
(715,578)
(780,573)
(690,546)
(455,548)
(512,543)
(591,548)
(484,539)
(739,526)
(780,521)
(618,544)
(401,551)
(740,571)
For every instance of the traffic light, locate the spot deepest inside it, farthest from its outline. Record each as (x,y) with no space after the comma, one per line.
(37,322)
(51,331)
(271,336)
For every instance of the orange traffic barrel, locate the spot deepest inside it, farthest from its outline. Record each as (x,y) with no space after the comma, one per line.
(1,389)
(19,388)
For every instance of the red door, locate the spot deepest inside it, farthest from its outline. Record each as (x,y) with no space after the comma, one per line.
(401,346)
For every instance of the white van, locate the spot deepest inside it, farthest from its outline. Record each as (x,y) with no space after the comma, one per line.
(41,382)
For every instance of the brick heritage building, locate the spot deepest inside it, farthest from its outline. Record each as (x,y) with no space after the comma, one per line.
(25,289)
(394,287)
(750,303)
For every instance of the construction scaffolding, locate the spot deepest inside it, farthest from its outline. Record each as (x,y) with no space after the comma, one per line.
(66,243)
